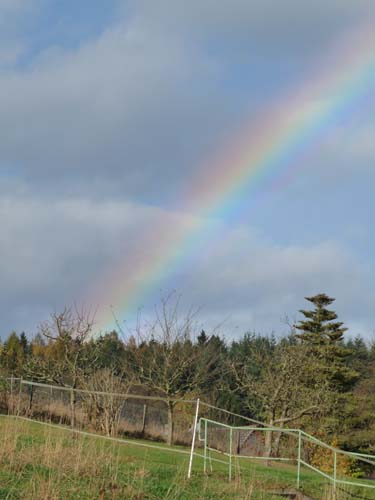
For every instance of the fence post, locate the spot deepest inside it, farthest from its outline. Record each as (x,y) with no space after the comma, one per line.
(299,460)
(50,403)
(193,439)
(31,395)
(72,408)
(334,473)
(230,452)
(144,419)
(11,405)
(19,398)
(205,447)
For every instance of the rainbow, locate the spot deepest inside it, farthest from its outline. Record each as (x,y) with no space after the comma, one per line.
(266,150)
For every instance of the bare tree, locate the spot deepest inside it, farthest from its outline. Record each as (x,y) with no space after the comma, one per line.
(104,400)
(165,359)
(68,360)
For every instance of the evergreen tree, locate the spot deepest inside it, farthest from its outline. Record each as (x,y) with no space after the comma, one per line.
(25,346)
(324,336)
(107,351)
(12,354)
(319,328)
(202,338)
(359,358)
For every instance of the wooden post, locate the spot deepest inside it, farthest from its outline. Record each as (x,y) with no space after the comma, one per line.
(238,442)
(50,403)
(31,395)
(11,405)
(19,397)
(72,408)
(144,419)
(170,423)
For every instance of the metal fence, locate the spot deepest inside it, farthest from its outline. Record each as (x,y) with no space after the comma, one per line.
(214,434)
(296,446)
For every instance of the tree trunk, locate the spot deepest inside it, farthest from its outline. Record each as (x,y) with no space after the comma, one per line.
(170,423)
(278,439)
(268,442)
(278,435)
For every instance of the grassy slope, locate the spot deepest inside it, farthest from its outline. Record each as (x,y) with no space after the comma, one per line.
(39,462)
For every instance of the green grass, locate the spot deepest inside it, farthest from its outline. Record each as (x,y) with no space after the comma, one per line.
(42,462)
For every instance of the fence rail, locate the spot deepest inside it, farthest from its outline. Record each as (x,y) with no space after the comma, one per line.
(209,432)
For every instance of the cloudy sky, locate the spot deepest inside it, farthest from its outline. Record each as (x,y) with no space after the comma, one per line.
(110,111)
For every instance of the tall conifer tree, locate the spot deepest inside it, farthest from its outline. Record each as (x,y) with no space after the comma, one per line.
(319,327)
(324,336)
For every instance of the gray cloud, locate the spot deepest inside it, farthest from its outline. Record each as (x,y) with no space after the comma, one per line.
(265,27)
(52,254)
(146,101)
(91,138)
(255,283)
(112,116)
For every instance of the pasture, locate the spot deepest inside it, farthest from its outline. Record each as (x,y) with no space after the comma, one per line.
(39,461)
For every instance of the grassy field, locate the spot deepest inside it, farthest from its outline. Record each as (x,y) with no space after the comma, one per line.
(42,462)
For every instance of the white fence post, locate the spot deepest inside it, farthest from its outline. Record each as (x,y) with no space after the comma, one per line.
(230,452)
(205,447)
(299,459)
(193,439)
(334,474)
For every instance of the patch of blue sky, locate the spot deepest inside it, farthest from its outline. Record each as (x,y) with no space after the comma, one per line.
(63,25)
(8,172)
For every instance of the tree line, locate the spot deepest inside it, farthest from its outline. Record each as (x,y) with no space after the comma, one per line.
(314,378)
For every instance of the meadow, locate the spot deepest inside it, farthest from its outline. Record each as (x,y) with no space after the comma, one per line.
(38,461)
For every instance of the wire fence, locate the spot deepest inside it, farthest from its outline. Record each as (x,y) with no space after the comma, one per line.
(223,437)
(111,414)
